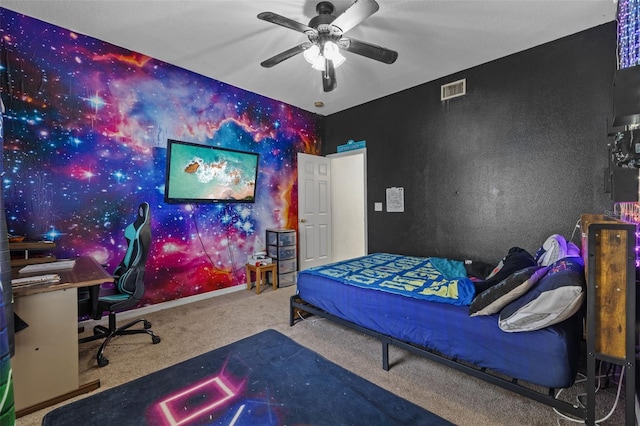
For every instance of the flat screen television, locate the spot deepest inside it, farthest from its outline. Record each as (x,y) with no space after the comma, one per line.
(208,174)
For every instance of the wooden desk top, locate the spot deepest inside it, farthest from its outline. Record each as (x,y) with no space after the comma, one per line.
(86,272)
(32,245)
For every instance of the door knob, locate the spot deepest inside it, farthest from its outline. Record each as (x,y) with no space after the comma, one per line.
(303,220)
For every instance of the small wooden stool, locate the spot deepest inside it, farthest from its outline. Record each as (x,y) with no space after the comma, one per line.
(261,275)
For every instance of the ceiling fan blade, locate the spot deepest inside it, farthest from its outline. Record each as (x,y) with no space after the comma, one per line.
(274,18)
(369,50)
(275,60)
(356,13)
(329,77)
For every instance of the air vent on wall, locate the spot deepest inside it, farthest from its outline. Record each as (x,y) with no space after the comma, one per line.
(453,90)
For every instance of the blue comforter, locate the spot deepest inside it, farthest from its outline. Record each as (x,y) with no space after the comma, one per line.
(430,278)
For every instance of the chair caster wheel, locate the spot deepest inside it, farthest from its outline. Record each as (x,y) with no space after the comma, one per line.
(103,362)
(155,340)
(147,325)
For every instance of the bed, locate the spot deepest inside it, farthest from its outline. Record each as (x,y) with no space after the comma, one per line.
(431,309)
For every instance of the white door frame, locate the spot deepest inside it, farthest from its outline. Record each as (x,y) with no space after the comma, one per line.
(321,251)
(349,194)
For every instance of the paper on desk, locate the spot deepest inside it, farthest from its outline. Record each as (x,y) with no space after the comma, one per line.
(49,266)
(38,279)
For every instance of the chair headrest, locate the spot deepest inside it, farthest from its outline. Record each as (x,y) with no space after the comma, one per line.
(143,215)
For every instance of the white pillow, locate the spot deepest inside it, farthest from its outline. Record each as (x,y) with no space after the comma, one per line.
(556,297)
(553,249)
(550,308)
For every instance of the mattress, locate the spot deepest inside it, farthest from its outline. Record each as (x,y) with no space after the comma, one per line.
(546,357)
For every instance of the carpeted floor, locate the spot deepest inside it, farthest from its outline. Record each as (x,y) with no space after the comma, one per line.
(200,327)
(265,379)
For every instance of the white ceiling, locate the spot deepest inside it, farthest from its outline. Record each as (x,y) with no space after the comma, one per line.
(224,40)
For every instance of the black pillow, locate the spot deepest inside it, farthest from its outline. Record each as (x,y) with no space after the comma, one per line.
(500,295)
(516,259)
(477,269)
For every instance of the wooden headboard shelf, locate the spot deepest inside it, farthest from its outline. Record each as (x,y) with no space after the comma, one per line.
(608,249)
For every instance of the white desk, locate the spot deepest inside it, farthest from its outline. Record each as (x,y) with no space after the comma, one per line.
(45,364)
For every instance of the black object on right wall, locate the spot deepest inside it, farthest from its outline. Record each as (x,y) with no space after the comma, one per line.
(624,185)
(626,97)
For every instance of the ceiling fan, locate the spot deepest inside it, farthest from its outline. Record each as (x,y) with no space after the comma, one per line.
(326,38)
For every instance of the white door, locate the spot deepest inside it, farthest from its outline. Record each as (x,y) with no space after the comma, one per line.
(349,201)
(314,210)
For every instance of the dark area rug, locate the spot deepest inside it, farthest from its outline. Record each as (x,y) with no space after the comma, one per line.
(265,379)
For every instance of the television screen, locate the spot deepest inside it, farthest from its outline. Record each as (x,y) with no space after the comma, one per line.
(207,174)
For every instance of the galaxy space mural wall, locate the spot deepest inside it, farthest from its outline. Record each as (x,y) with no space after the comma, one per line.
(86,128)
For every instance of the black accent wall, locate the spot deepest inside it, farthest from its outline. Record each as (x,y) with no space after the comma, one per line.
(517,159)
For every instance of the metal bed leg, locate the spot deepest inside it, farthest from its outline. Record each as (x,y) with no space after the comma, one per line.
(630,393)
(591,391)
(385,356)
(291,316)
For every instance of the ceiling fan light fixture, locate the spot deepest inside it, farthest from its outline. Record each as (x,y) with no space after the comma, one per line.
(316,56)
(319,64)
(312,53)
(313,56)
(331,51)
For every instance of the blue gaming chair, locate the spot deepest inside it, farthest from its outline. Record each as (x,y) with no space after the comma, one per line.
(129,286)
